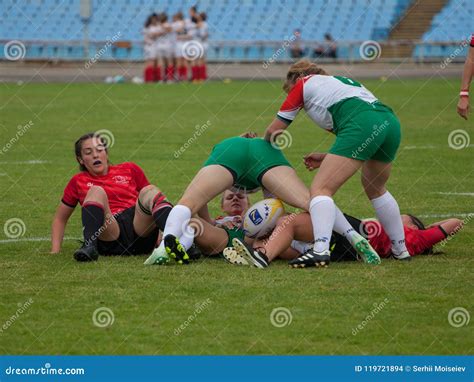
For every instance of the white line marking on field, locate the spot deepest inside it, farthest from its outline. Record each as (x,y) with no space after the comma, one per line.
(30,239)
(3,174)
(456,193)
(27,162)
(461,215)
(429,147)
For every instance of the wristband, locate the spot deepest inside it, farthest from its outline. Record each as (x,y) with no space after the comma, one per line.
(464,93)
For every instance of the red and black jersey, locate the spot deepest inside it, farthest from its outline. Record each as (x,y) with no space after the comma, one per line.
(416,240)
(122,184)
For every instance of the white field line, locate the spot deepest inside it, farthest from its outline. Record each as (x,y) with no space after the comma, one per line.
(26,162)
(33,239)
(455,193)
(430,147)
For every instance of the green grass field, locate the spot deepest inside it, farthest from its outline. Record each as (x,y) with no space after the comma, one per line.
(47,301)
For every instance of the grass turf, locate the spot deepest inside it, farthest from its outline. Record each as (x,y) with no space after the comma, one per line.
(211,307)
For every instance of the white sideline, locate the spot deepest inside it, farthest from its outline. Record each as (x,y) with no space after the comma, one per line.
(29,239)
(456,193)
(430,147)
(26,162)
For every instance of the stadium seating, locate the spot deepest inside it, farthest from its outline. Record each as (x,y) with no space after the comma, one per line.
(453,23)
(255,23)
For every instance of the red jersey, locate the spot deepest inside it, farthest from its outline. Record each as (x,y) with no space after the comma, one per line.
(416,240)
(122,184)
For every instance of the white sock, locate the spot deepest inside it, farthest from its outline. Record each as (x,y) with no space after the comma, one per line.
(176,222)
(344,228)
(323,215)
(300,246)
(187,240)
(388,214)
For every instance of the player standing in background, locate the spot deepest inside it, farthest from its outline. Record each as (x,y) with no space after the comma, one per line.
(179,27)
(122,213)
(152,71)
(203,35)
(164,47)
(194,45)
(463,104)
(368,136)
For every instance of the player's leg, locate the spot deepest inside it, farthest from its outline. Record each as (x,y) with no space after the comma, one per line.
(333,173)
(210,239)
(375,175)
(152,210)
(98,222)
(209,182)
(284,183)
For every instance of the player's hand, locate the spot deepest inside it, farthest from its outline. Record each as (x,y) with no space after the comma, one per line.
(249,134)
(314,160)
(463,107)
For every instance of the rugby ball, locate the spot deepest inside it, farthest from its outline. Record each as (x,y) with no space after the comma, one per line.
(261,218)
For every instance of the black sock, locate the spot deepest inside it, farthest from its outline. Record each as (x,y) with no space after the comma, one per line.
(160,215)
(92,221)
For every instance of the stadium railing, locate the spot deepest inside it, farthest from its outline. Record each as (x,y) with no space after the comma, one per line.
(266,52)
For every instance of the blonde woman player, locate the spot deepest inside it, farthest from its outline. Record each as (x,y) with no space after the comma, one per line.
(367,137)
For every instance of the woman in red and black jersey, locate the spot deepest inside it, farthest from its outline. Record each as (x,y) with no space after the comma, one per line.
(122,212)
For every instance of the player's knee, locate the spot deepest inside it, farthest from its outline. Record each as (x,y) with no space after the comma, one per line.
(148,192)
(96,193)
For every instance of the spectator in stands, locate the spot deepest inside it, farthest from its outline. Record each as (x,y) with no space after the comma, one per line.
(296,47)
(152,71)
(463,104)
(328,49)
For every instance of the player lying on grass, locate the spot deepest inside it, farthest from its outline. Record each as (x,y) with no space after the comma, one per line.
(367,137)
(247,164)
(468,72)
(122,212)
(295,231)
(213,236)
